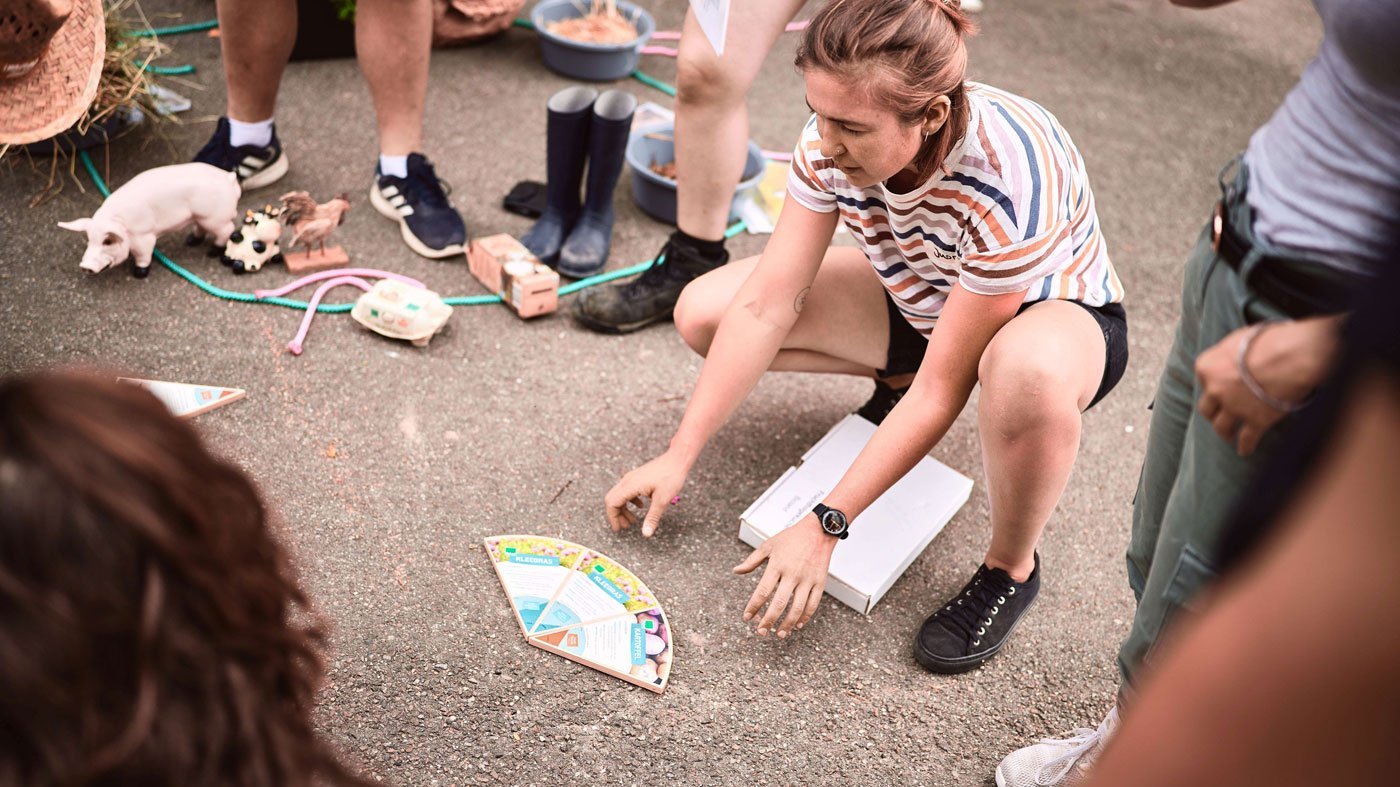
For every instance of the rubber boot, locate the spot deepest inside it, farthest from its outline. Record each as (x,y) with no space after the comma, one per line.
(570,115)
(586,251)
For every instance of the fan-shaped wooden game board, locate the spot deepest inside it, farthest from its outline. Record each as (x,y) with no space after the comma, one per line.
(578,603)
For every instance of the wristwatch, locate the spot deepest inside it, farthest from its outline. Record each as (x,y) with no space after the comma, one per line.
(833,522)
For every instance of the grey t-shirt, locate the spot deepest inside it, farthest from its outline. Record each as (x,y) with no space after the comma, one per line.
(1324,172)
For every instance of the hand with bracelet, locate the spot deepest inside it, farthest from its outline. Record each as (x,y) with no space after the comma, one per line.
(1258,374)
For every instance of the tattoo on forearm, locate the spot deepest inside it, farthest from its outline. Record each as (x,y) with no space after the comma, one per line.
(801,300)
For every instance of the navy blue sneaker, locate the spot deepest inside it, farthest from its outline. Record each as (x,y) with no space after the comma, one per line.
(429,223)
(256,166)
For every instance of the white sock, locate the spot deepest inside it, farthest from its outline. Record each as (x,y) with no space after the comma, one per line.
(394,166)
(259,133)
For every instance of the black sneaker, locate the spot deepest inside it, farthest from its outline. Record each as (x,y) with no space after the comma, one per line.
(256,166)
(973,625)
(881,402)
(427,220)
(649,298)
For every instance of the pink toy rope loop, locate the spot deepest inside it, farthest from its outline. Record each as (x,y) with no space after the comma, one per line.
(371,273)
(294,346)
(675,35)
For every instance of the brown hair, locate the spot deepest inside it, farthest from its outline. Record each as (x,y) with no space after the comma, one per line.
(908,52)
(146,611)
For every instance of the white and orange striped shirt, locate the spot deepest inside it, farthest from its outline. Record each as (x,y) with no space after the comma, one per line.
(1013,212)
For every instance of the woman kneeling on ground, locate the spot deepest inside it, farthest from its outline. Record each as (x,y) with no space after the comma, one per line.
(973,212)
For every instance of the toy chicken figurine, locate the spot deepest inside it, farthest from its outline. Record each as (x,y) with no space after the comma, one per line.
(311,225)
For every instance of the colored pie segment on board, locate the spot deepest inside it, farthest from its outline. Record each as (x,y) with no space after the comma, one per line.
(578,603)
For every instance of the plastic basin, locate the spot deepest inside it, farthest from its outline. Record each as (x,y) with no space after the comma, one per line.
(655,195)
(592,62)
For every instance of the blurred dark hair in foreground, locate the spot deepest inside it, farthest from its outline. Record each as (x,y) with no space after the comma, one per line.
(151,629)
(1289,677)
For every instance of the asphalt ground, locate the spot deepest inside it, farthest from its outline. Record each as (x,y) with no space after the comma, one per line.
(388,464)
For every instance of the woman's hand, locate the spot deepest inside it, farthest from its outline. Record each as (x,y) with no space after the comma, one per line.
(796,575)
(1288,360)
(659,480)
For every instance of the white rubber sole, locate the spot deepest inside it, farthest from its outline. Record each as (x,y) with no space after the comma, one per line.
(387,211)
(270,175)
(1001,780)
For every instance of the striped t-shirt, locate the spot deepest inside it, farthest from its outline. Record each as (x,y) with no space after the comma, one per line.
(1013,213)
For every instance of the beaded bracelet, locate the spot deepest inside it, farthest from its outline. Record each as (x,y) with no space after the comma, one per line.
(1253,384)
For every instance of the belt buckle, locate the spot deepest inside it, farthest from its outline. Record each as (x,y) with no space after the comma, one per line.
(1217,226)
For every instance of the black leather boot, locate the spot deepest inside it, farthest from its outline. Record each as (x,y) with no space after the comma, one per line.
(586,251)
(570,114)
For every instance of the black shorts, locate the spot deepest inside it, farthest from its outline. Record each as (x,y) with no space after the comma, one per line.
(907,345)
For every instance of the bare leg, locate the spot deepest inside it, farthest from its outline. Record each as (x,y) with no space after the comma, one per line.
(1037,376)
(393,39)
(256,37)
(842,329)
(712,118)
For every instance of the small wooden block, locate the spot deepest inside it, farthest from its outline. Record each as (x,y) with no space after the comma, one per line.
(316,260)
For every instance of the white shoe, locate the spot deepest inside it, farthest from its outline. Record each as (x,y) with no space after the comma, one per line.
(972,6)
(1057,762)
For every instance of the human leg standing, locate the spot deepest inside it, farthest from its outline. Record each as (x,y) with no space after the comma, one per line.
(711,136)
(393,40)
(1190,481)
(255,39)
(712,115)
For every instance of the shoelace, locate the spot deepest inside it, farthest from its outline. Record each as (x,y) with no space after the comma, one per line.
(225,155)
(1081,741)
(974,610)
(652,278)
(428,190)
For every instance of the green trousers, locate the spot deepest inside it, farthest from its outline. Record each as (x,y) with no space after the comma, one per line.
(1192,479)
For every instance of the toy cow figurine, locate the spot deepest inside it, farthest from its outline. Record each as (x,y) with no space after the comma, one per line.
(156,202)
(256,242)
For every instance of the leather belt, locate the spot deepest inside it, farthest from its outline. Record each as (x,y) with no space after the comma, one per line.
(1298,288)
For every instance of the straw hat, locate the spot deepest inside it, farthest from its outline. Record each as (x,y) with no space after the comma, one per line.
(51,54)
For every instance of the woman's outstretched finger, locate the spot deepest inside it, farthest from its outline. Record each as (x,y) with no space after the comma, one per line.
(795,611)
(761,594)
(814,600)
(753,561)
(776,606)
(616,500)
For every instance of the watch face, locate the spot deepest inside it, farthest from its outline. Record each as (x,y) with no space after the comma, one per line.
(834,522)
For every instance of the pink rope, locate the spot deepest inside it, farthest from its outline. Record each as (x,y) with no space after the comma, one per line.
(674,35)
(777,155)
(294,346)
(664,51)
(323,275)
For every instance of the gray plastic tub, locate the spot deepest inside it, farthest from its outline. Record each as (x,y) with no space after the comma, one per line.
(655,195)
(580,60)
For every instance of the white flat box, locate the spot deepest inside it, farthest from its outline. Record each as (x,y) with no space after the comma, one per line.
(886,538)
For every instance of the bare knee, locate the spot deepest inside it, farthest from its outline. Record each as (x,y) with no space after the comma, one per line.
(704,80)
(1024,394)
(697,316)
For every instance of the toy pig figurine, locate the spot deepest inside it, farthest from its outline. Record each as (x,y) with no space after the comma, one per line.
(156,202)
